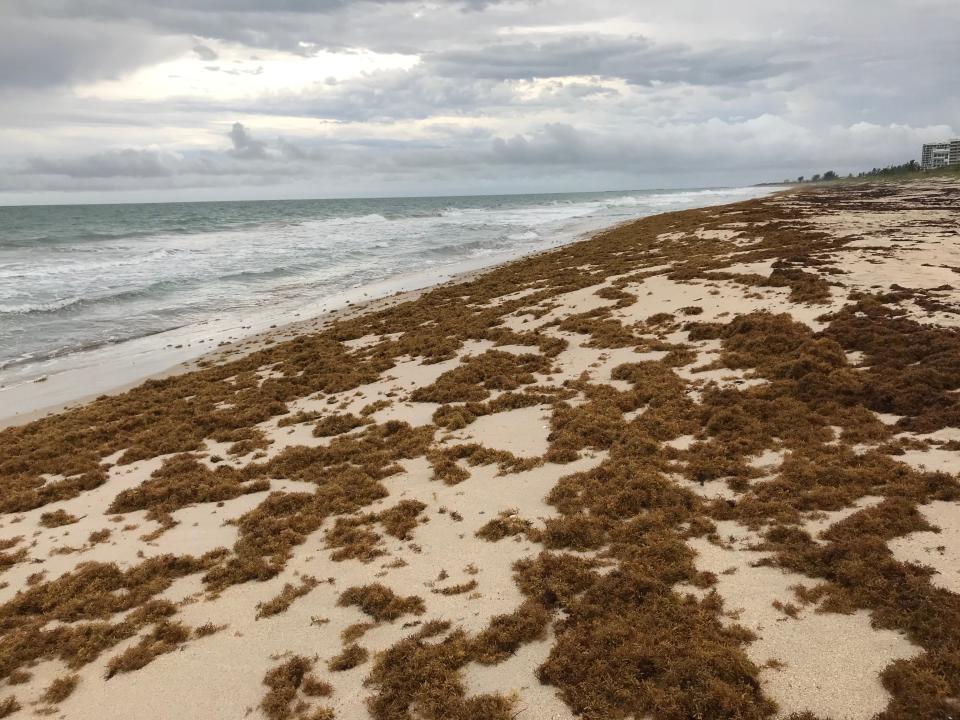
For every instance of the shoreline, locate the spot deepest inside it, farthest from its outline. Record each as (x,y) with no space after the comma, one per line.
(232,348)
(347,304)
(159,358)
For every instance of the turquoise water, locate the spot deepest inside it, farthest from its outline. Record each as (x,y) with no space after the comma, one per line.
(73,278)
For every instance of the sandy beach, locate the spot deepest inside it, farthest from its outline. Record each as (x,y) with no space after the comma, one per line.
(700,465)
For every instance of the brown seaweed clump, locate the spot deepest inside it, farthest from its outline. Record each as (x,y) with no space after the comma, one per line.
(60,689)
(506,524)
(57,518)
(165,637)
(285,599)
(353,537)
(421,674)
(183,480)
(285,683)
(350,657)
(83,601)
(400,520)
(476,376)
(336,425)
(380,602)
(8,706)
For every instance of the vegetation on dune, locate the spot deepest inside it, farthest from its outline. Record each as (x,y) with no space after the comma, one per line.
(907,170)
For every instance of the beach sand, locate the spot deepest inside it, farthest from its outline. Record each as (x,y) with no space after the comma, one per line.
(699,465)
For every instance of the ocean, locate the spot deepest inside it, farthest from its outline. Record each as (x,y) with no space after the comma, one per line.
(78,278)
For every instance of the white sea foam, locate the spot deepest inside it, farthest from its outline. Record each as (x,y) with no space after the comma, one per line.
(26,308)
(528,235)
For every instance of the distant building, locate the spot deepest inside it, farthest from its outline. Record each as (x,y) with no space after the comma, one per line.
(941,154)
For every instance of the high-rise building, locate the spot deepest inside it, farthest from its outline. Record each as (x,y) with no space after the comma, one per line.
(941,154)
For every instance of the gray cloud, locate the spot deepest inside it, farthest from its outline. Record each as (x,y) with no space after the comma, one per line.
(205,53)
(250,164)
(60,52)
(300,26)
(521,95)
(293,151)
(635,59)
(244,146)
(128,163)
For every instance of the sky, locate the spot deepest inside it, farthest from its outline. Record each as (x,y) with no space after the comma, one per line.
(171,100)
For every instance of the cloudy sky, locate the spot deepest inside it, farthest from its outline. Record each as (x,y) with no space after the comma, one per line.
(129,100)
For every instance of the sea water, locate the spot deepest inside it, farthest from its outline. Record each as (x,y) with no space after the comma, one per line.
(78,278)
